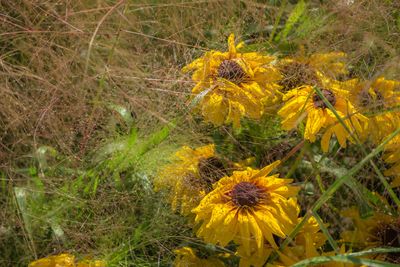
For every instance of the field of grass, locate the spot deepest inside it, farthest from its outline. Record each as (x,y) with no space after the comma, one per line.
(94,105)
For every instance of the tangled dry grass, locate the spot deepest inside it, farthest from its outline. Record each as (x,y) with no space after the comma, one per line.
(66,65)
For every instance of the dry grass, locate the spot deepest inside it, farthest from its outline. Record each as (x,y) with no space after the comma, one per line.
(64,63)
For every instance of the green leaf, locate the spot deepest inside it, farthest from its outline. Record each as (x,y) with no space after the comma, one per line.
(20,194)
(343,259)
(125,114)
(155,139)
(294,17)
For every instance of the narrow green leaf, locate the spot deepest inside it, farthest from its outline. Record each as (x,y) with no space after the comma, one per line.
(378,172)
(277,20)
(294,17)
(375,251)
(334,187)
(325,231)
(344,259)
(155,139)
(20,194)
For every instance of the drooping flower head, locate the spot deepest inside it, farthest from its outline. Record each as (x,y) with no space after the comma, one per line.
(379,230)
(304,103)
(249,204)
(380,101)
(302,70)
(187,256)
(231,84)
(190,176)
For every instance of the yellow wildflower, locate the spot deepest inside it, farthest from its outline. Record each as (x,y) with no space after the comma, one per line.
(189,257)
(65,260)
(255,257)
(249,204)
(305,245)
(376,231)
(302,70)
(304,103)
(379,99)
(231,85)
(190,177)
(392,157)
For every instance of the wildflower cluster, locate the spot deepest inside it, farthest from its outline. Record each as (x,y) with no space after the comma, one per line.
(249,211)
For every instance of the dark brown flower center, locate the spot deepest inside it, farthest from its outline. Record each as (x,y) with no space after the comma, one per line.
(319,102)
(367,100)
(211,169)
(296,74)
(231,71)
(246,194)
(388,234)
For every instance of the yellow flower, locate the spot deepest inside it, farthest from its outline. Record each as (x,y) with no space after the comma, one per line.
(291,258)
(255,257)
(231,85)
(65,260)
(392,156)
(379,99)
(305,245)
(189,257)
(91,263)
(61,260)
(190,177)
(304,103)
(302,70)
(378,230)
(249,204)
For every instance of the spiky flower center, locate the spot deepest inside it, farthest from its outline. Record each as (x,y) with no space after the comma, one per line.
(388,234)
(296,74)
(246,194)
(319,102)
(211,169)
(231,71)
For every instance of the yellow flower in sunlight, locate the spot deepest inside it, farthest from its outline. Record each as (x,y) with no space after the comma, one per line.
(379,100)
(378,230)
(302,70)
(65,260)
(189,257)
(304,103)
(230,85)
(190,177)
(61,260)
(249,204)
